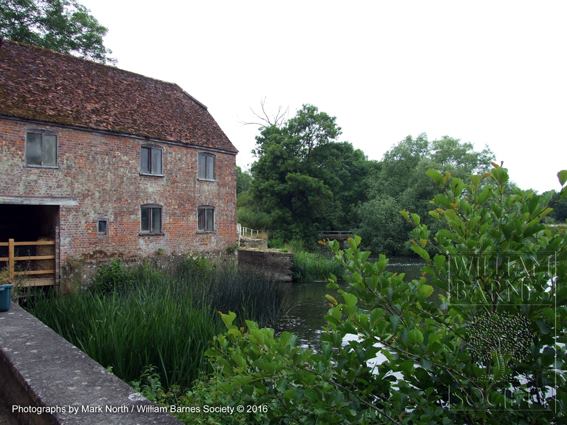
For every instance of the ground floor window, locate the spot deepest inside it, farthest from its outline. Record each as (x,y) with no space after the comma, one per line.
(102,226)
(206,218)
(151,219)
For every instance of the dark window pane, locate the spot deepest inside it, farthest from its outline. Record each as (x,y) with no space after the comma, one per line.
(210,219)
(156,220)
(49,150)
(145,219)
(33,149)
(201,219)
(210,167)
(102,226)
(202,166)
(156,161)
(145,160)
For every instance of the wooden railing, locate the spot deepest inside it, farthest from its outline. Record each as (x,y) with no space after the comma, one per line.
(246,232)
(336,234)
(48,274)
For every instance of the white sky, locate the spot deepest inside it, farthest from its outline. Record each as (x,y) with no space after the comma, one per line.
(487,72)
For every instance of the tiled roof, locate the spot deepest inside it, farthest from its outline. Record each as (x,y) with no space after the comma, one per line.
(39,84)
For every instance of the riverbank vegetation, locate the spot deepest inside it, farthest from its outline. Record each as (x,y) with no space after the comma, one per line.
(314,265)
(438,349)
(135,317)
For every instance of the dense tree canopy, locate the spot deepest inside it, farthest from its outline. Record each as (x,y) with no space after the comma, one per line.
(399,182)
(559,205)
(243,181)
(62,25)
(304,180)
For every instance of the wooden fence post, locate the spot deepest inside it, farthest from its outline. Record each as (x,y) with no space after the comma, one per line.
(11,268)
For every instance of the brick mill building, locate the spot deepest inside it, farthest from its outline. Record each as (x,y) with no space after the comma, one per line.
(97,162)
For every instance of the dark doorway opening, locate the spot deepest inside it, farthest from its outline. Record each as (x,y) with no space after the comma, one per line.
(28,222)
(33,229)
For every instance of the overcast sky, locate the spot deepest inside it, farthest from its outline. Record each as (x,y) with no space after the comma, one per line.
(487,72)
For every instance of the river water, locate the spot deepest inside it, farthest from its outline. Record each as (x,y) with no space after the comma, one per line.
(306,305)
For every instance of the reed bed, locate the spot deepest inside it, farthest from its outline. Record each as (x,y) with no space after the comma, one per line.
(311,266)
(165,317)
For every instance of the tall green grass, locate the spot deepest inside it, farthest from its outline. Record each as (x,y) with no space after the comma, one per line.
(310,266)
(133,317)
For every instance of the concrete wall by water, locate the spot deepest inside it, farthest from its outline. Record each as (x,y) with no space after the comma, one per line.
(40,368)
(272,263)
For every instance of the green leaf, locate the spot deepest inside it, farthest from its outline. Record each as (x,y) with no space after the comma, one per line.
(562,176)
(484,194)
(331,299)
(420,251)
(350,299)
(415,218)
(434,175)
(415,337)
(500,175)
(228,318)
(425,291)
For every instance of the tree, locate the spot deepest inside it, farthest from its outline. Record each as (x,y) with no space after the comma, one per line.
(304,180)
(380,223)
(559,205)
(62,25)
(344,170)
(400,177)
(243,180)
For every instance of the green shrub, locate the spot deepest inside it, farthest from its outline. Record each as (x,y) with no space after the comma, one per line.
(150,386)
(112,276)
(439,364)
(276,243)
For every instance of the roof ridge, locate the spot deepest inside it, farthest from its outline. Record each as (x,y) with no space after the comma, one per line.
(91,62)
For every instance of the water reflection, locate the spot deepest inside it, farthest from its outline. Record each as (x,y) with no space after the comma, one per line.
(305,315)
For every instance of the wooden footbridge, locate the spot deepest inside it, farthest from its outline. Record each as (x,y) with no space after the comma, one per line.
(341,236)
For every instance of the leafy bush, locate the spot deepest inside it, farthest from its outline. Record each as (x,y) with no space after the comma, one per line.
(112,276)
(423,351)
(150,386)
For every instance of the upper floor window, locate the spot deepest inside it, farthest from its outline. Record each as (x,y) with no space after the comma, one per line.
(151,219)
(206,219)
(207,166)
(150,160)
(41,149)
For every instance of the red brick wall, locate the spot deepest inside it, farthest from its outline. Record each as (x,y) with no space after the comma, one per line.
(102,173)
